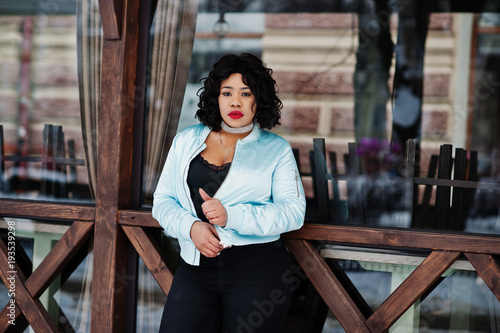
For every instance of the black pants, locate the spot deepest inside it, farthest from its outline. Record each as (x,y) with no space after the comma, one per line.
(246,289)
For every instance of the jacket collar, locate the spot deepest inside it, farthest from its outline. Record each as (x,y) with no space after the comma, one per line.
(254,134)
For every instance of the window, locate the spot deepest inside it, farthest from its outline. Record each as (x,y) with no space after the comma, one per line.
(43,156)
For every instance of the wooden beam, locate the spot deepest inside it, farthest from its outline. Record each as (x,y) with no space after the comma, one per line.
(52,265)
(110,279)
(111,18)
(138,219)
(62,252)
(489,270)
(149,251)
(41,210)
(419,281)
(327,285)
(411,238)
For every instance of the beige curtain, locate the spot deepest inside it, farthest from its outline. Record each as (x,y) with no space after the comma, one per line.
(89,51)
(89,79)
(172,35)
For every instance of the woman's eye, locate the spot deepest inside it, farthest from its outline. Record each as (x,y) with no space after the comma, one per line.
(226,94)
(246,94)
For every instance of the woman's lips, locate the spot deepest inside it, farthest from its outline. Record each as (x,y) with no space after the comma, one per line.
(235,114)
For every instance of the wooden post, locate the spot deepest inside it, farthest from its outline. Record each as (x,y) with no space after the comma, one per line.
(114,167)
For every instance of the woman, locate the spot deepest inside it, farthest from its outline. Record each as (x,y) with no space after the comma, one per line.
(229,188)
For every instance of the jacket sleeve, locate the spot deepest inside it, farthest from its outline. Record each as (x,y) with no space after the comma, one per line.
(167,210)
(286,211)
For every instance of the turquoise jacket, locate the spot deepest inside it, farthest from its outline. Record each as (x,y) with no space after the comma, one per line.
(262,192)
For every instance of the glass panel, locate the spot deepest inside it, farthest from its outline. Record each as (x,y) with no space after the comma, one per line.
(460,303)
(485,120)
(41,138)
(68,298)
(150,301)
(330,71)
(150,297)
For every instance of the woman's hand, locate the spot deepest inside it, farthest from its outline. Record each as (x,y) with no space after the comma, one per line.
(213,210)
(205,239)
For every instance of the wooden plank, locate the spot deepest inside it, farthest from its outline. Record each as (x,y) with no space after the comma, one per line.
(363,235)
(489,270)
(443,193)
(296,155)
(371,255)
(459,205)
(420,280)
(460,183)
(411,170)
(149,251)
(111,17)
(32,309)
(318,162)
(138,219)
(113,187)
(398,238)
(422,217)
(328,286)
(47,176)
(332,157)
(60,168)
(41,210)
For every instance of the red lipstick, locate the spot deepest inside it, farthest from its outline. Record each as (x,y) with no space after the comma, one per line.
(235,114)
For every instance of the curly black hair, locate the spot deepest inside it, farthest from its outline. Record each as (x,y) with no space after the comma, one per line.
(255,75)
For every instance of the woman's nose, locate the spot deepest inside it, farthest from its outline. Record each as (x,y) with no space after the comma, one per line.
(236,101)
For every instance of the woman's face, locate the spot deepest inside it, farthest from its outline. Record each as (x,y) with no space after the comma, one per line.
(236,101)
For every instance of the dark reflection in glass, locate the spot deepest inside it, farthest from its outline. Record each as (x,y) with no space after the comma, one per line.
(41,146)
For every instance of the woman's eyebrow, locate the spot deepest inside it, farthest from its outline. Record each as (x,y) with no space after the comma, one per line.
(229,87)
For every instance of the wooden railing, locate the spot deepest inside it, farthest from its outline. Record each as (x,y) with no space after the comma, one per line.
(57,164)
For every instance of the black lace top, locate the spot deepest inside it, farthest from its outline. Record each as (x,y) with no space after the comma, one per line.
(207,176)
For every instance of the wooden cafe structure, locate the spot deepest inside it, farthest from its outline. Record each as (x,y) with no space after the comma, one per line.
(121,230)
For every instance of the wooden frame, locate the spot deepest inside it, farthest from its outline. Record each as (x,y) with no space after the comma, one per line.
(114,166)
